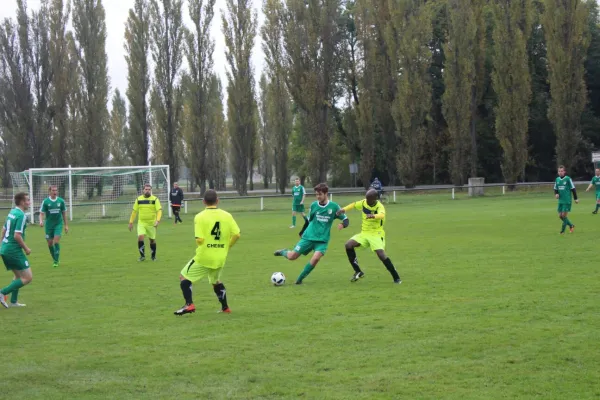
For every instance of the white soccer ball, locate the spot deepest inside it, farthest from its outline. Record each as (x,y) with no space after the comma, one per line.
(278,278)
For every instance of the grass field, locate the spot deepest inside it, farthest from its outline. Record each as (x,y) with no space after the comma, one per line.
(494,305)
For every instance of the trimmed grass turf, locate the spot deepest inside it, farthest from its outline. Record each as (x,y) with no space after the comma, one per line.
(494,304)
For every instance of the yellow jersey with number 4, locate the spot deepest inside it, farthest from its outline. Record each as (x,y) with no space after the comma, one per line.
(370,225)
(214,229)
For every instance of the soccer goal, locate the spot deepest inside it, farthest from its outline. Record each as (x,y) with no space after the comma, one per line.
(94,193)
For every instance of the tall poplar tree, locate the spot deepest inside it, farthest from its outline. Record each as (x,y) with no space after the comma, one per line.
(566,29)
(239,24)
(512,83)
(137,48)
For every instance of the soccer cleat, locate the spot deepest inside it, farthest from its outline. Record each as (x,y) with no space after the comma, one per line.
(298,282)
(55,265)
(17,304)
(153,258)
(187,309)
(357,276)
(594,212)
(142,259)
(279,253)
(292,226)
(226,311)
(397,281)
(3,301)
(572,228)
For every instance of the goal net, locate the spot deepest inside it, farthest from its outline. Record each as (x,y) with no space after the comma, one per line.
(94,194)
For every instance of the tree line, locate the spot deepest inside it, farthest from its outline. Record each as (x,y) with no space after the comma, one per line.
(413,91)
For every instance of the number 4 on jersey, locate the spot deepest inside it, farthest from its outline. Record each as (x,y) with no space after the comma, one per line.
(216,231)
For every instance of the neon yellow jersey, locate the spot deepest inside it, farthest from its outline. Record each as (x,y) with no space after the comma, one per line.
(215,228)
(370,225)
(147,209)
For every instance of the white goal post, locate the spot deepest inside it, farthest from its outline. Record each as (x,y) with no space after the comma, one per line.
(94,193)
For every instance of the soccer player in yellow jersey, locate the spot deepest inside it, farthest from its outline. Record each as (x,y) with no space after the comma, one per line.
(149,210)
(216,232)
(371,236)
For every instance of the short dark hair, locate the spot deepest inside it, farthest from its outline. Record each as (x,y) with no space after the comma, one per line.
(210,197)
(20,197)
(562,167)
(321,188)
(147,185)
(52,186)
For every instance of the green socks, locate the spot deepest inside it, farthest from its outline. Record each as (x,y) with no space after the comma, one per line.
(568,222)
(51,248)
(56,252)
(597,207)
(14,296)
(294,220)
(564,225)
(307,270)
(14,285)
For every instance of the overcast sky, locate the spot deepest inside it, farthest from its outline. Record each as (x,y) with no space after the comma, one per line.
(116,16)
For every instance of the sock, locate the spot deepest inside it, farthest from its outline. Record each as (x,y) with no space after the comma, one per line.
(564,224)
(294,220)
(353,260)
(390,267)
(221,295)
(14,285)
(14,296)
(568,222)
(186,288)
(56,252)
(51,248)
(153,248)
(597,207)
(141,248)
(307,270)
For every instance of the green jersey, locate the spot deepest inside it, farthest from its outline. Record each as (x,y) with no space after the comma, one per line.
(53,210)
(16,222)
(596,182)
(298,193)
(564,186)
(320,218)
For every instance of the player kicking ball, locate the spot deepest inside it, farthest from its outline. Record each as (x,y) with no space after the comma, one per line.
(53,215)
(216,232)
(595,182)
(371,235)
(14,251)
(315,234)
(563,187)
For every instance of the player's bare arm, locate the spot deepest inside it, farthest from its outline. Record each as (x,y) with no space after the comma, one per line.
(42,216)
(21,242)
(64,215)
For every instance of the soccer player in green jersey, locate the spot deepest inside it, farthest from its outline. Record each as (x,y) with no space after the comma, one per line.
(53,214)
(316,231)
(298,194)
(595,182)
(14,251)
(563,186)
(216,232)
(371,235)
(150,211)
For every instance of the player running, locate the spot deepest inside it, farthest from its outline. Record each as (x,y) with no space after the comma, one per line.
(595,182)
(371,235)
(53,214)
(563,186)
(216,232)
(14,251)
(298,194)
(315,234)
(150,212)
